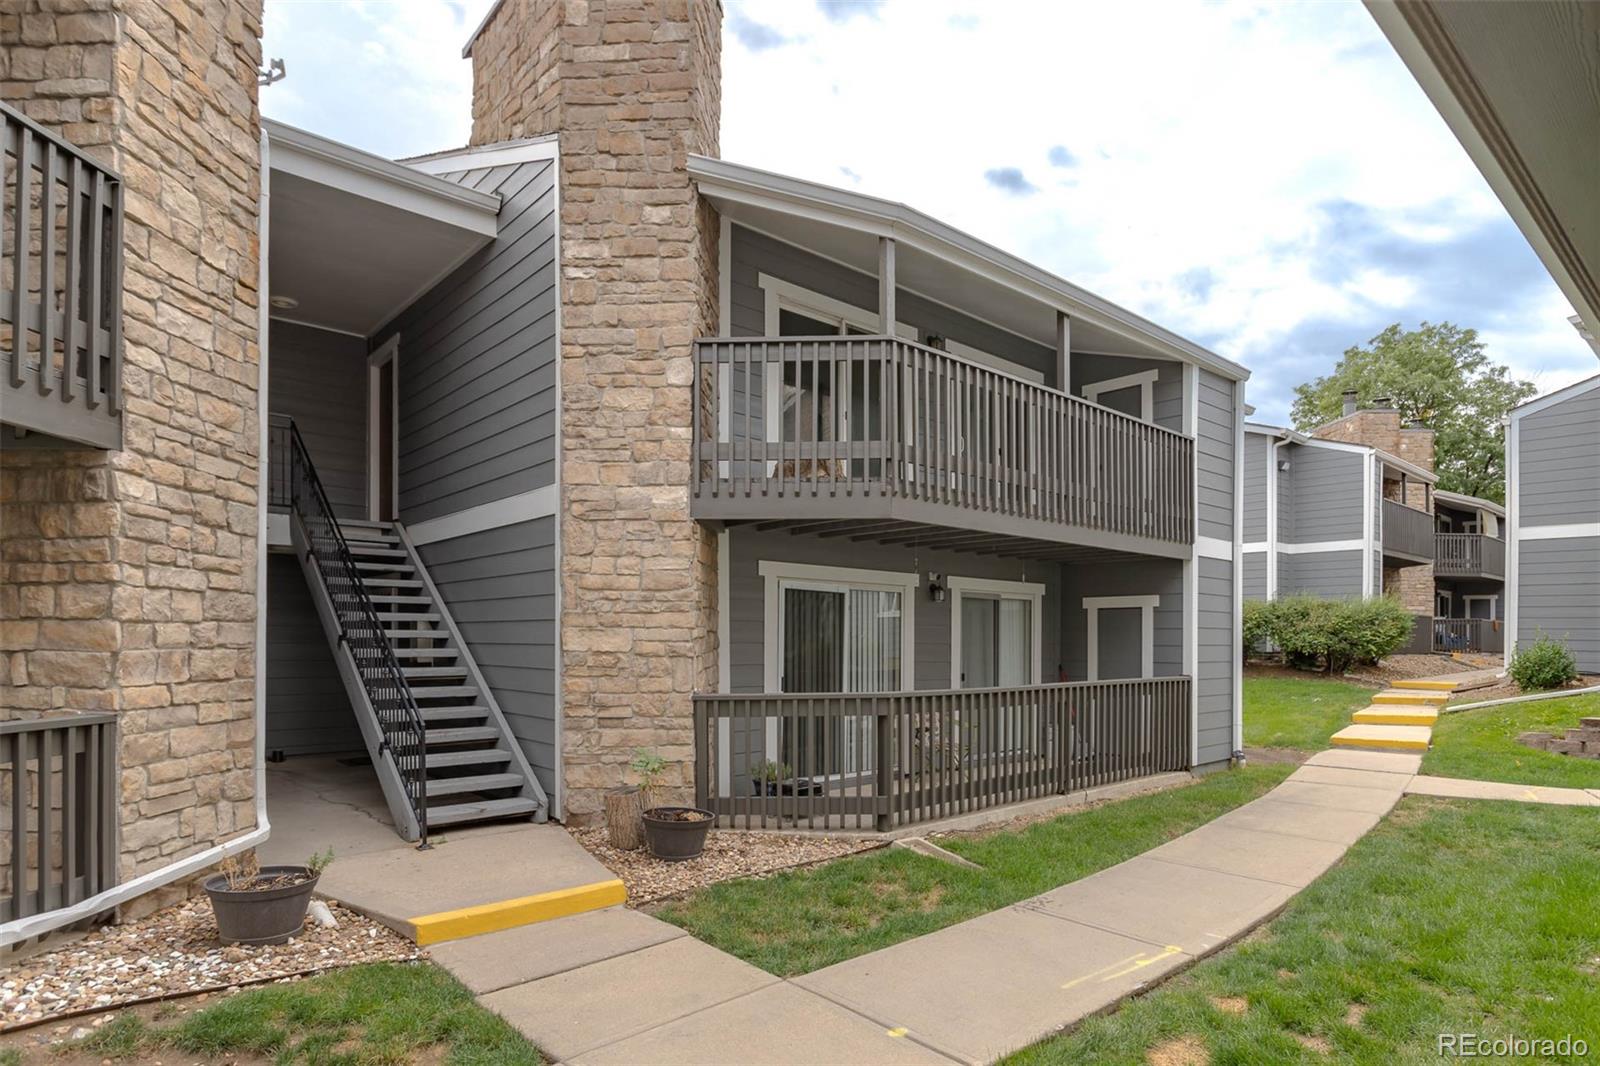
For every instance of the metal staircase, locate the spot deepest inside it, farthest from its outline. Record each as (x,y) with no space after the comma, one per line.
(437,738)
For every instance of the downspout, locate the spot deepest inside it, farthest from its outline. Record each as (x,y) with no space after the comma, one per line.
(1513,536)
(1272,518)
(39,924)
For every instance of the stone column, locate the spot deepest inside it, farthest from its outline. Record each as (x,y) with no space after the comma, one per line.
(631,87)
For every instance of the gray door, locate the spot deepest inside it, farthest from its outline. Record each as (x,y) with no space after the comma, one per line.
(1480,608)
(1121,637)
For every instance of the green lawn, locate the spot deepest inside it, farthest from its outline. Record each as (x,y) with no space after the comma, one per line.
(1482,744)
(1450,916)
(1301,713)
(379,1013)
(797,922)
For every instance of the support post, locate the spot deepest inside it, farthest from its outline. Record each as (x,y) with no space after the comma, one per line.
(1064,352)
(886,286)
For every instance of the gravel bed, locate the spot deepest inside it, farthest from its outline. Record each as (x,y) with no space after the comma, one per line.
(729,854)
(176,951)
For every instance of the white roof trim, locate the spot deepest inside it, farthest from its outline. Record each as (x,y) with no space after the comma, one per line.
(505,153)
(494,9)
(1460,499)
(1562,395)
(328,162)
(885,218)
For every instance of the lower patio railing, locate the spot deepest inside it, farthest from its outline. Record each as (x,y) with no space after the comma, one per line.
(1469,634)
(880,760)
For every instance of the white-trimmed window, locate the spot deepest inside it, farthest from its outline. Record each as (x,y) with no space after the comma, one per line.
(1443,602)
(1121,636)
(1131,394)
(1485,605)
(996,638)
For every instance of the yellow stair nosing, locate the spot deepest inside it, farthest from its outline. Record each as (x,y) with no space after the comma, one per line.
(511,913)
(1380,744)
(1422,685)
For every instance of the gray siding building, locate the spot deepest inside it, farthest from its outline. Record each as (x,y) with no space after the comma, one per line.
(1553,509)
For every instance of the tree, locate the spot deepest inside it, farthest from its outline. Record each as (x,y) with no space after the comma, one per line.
(1437,375)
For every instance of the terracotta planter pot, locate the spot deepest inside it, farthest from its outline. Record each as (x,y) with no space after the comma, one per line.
(267,916)
(672,839)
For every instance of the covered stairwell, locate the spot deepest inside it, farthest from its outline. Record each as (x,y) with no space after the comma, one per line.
(438,741)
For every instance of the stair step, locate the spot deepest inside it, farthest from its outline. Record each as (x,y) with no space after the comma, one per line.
(476,757)
(363,548)
(440,692)
(453,714)
(385,568)
(399,597)
(453,813)
(391,582)
(408,616)
(433,671)
(1384,737)
(1396,715)
(462,735)
(1414,697)
(425,653)
(1426,685)
(445,786)
(415,634)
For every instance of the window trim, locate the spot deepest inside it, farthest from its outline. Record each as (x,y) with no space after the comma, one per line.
(777,573)
(1031,592)
(1449,599)
(1494,604)
(1147,625)
(1144,380)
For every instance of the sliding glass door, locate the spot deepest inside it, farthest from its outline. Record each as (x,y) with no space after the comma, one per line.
(996,641)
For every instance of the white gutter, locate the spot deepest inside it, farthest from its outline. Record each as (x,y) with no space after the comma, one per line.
(49,921)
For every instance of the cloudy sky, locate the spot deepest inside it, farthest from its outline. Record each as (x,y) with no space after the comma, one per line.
(1266,179)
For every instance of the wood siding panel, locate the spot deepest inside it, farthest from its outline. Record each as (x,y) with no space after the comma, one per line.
(1257,459)
(1217,668)
(1320,574)
(477,360)
(500,587)
(1255,575)
(1325,498)
(1558,594)
(308,712)
(1153,577)
(1214,443)
(1558,465)
(319,379)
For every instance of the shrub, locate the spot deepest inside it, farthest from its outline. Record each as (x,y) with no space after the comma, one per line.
(1331,634)
(1543,664)
(1256,617)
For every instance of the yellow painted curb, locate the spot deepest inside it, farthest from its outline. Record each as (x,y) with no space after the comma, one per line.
(1427,686)
(1397,716)
(1380,743)
(510,913)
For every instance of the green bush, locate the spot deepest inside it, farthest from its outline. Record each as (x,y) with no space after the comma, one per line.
(1543,664)
(1331,634)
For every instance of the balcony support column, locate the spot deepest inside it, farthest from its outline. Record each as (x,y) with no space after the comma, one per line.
(1064,352)
(886,286)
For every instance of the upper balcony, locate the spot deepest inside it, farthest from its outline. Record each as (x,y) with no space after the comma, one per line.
(893,435)
(1407,535)
(60,291)
(1469,555)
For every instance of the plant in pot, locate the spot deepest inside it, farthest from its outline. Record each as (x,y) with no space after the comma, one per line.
(777,779)
(672,834)
(256,904)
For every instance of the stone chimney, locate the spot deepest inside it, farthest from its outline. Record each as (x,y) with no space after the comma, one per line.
(128,577)
(631,88)
(1351,405)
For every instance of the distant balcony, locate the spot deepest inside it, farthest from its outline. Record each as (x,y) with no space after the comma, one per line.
(881,429)
(1469,555)
(60,290)
(1407,534)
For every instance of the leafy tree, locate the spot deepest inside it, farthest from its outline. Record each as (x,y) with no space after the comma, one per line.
(1439,376)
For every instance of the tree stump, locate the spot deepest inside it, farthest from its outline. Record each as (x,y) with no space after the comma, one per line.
(625,817)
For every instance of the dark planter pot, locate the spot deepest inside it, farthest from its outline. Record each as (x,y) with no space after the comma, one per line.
(792,787)
(271,916)
(672,840)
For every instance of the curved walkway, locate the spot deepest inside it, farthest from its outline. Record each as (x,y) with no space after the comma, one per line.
(617,986)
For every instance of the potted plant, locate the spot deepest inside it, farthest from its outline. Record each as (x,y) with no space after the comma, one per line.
(256,904)
(777,779)
(672,834)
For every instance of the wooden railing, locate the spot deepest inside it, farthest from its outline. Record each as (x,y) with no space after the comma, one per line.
(1468,555)
(1407,531)
(875,761)
(1469,634)
(781,424)
(59,782)
(60,288)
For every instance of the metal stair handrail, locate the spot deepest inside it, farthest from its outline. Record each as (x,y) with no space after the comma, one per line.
(399,720)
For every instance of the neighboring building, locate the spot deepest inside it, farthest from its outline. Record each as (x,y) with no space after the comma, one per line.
(1553,497)
(579,440)
(1351,510)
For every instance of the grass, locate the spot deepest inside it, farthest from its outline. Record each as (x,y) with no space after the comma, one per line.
(375,1014)
(797,922)
(1451,916)
(1482,744)
(1300,713)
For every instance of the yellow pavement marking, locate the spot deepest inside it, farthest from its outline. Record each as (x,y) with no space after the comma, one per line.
(898,1030)
(1123,966)
(1166,953)
(510,913)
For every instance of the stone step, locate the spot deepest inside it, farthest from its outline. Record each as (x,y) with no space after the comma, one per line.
(1413,697)
(1427,684)
(1396,715)
(1384,737)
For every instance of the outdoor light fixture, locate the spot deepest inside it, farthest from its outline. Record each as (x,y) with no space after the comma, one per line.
(1283,464)
(936,588)
(284,303)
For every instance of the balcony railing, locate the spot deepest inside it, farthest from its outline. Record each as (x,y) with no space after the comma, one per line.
(875,761)
(60,288)
(1469,634)
(1407,532)
(1469,555)
(880,427)
(58,812)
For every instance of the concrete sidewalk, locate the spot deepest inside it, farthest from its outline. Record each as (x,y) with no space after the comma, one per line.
(616,986)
